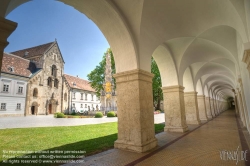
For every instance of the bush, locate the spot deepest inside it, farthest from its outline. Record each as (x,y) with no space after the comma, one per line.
(111,114)
(98,115)
(59,115)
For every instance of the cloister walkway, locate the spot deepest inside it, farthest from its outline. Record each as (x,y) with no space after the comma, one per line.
(202,145)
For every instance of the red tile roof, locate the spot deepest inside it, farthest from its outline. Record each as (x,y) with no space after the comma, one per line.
(33,51)
(79,83)
(20,66)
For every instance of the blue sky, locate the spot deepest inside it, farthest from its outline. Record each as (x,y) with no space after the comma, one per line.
(41,21)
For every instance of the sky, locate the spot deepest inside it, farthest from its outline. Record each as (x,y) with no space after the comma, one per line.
(81,42)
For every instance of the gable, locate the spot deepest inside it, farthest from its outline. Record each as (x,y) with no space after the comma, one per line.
(54,53)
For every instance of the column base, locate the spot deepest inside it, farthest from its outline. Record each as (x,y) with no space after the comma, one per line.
(194,122)
(204,119)
(176,129)
(209,117)
(136,148)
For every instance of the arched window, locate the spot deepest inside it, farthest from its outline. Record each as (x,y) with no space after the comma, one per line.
(56,82)
(35,92)
(65,96)
(49,82)
(53,70)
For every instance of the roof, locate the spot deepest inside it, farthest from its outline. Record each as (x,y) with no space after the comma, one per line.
(20,66)
(79,83)
(33,51)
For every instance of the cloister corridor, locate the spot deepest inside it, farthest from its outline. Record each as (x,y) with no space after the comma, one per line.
(202,49)
(202,145)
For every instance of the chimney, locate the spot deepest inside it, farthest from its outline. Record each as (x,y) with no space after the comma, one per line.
(76,75)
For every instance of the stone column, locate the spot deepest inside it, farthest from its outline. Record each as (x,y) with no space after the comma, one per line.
(175,118)
(242,115)
(202,107)
(136,117)
(6,28)
(208,108)
(191,108)
(212,106)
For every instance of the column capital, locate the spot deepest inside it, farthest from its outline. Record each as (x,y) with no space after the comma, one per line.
(6,28)
(207,98)
(201,96)
(190,93)
(133,75)
(175,88)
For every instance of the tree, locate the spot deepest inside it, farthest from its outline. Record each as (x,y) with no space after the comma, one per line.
(156,85)
(97,76)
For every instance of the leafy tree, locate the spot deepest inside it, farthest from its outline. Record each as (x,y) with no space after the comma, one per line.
(97,78)
(156,85)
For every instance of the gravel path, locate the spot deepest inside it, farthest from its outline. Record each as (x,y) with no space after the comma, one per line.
(49,120)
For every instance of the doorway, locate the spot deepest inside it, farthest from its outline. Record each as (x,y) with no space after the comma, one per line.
(33,110)
(50,108)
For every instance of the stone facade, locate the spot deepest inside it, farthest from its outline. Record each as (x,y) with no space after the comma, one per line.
(45,87)
(191,108)
(135,115)
(175,118)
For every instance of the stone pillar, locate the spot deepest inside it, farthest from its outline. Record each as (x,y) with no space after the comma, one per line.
(208,108)
(175,118)
(136,118)
(6,28)
(242,115)
(191,108)
(202,107)
(212,106)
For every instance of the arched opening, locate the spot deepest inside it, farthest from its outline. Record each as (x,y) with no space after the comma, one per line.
(65,96)
(35,92)
(53,70)
(49,82)
(34,108)
(56,83)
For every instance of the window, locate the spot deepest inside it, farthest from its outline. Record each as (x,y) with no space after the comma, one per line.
(86,96)
(65,96)
(85,105)
(18,106)
(35,92)
(81,96)
(6,88)
(74,95)
(49,82)
(92,97)
(20,89)
(56,82)
(81,106)
(74,105)
(53,70)
(3,106)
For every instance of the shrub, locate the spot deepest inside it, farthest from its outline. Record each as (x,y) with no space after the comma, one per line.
(111,114)
(98,115)
(59,115)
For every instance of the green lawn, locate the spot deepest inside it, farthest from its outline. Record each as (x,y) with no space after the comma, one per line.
(89,138)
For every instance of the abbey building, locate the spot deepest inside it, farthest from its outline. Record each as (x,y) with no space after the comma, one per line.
(33,82)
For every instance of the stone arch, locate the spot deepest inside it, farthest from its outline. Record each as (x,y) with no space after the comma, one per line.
(166,65)
(188,81)
(199,88)
(34,108)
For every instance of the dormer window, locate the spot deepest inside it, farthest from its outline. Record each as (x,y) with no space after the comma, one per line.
(11,69)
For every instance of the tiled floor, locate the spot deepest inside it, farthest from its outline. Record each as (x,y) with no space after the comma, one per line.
(201,146)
